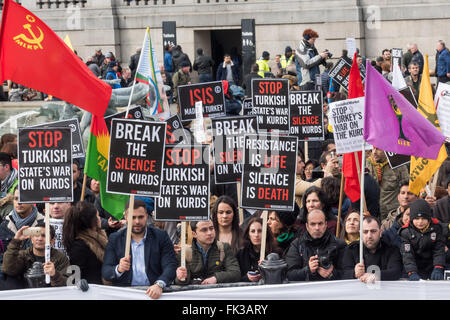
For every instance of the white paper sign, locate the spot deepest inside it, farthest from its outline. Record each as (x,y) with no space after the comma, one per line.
(442,103)
(347,119)
(351,47)
(199,130)
(57,224)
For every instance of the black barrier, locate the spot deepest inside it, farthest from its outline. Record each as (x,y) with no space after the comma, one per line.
(228,141)
(270,99)
(136,157)
(268,178)
(210,93)
(45,165)
(306,115)
(185,184)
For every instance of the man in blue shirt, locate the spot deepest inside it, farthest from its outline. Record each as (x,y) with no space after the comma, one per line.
(152,262)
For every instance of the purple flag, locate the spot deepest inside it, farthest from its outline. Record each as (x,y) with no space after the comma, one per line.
(392,124)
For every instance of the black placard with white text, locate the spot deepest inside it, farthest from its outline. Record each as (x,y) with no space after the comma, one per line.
(210,93)
(45,165)
(185,184)
(306,115)
(136,157)
(228,141)
(270,98)
(397,160)
(175,132)
(247,107)
(134,113)
(341,73)
(268,178)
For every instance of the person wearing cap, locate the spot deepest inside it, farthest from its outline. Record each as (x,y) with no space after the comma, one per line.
(98,57)
(263,63)
(181,77)
(105,65)
(111,73)
(287,58)
(316,254)
(423,244)
(309,59)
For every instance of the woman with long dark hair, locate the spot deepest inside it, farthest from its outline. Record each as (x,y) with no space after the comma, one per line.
(350,229)
(85,241)
(225,217)
(283,228)
(248,256)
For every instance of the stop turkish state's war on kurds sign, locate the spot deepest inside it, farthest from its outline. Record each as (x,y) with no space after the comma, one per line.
(45,165)
(136,157)
(32,55)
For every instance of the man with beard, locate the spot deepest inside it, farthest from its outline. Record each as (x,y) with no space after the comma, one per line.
(376,252)
(317,254)
(152,261)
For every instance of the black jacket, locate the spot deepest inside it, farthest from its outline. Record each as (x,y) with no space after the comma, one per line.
(160,259)
(248,261)
(247,83)
(81,255)
(303,248)
(386,257)
(203,64)
(421,252)
(177,57)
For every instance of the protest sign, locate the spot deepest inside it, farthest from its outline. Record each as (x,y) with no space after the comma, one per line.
(134,113)
(351,46)
(409,95)
(57,225)
(346,118)
(270,98)
(397,160)
(45,165)
(341,73)
(185,184)
(306,115)
(268,177)
(396,54)
(228,142)
(175,132)
(247,107)
(442,103)
(136,157)
(74,125)
(209,93)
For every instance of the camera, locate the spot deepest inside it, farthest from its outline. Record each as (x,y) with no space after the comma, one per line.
(325,259)
(330,55)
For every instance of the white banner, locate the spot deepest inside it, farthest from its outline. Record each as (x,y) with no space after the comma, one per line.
(442,103)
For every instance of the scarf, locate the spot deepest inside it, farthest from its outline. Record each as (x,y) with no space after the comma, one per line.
(27,221)
(96,241)
(9,181)
(378,168)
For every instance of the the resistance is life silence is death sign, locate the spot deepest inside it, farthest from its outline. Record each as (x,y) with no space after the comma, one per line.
(45,165)
(271,103)
(209,93)
(228,141)
(268,178)
(185,184)
(136,157)
(306,115)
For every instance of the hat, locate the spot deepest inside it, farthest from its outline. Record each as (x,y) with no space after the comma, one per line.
(109,55)
(265,54)
(288,49)
(184,63)
(420,209)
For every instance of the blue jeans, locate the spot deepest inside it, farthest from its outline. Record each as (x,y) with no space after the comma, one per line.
(206,77)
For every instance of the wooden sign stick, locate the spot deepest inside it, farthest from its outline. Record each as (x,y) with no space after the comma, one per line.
(129,226)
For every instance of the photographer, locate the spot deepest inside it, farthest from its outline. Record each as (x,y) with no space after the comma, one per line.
(317,254)
(309,59)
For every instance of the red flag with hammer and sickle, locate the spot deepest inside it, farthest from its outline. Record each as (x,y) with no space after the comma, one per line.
(34,56)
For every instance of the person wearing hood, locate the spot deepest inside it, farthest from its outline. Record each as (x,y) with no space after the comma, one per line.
(111,73)
(423,244)
(309,59)
(316,254)
(178,57)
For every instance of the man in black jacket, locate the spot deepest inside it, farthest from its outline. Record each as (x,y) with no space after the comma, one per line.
(152,261)
(203,65)
(423,244)
(376,252)
(317,254)
(247,83)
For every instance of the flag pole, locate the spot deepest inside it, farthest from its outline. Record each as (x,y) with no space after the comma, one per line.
(47,238)
(341,195)
(361,217)
(363,197)
(262,253)
(129,226)
(83,189)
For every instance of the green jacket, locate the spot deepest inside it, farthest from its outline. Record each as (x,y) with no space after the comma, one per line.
(16,262)
(225,268)
(389,185)
(179,79)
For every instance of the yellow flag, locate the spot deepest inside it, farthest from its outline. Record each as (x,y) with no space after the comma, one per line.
(422,169)
(68,42)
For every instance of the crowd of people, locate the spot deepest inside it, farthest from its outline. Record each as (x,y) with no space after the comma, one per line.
(405,235)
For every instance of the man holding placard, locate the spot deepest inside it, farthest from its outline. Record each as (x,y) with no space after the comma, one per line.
(152,261)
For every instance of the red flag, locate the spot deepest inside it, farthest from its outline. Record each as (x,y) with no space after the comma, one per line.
(349,167)
(32,55)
